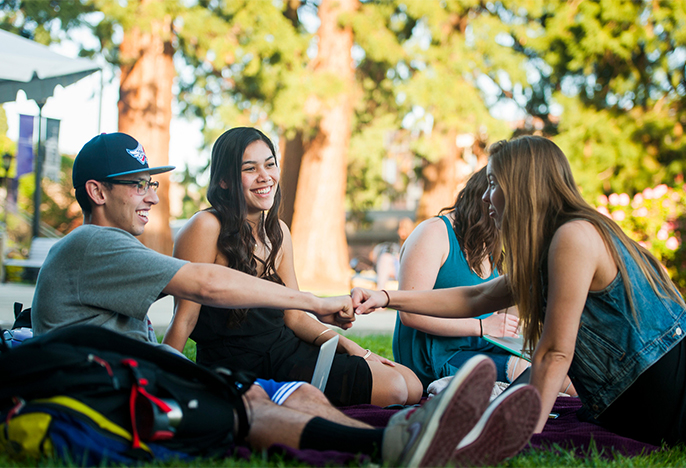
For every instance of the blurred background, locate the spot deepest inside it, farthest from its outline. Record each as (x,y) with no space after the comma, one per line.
(380,110)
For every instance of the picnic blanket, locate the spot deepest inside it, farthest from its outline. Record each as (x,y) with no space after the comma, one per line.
(569,433)
(566,432)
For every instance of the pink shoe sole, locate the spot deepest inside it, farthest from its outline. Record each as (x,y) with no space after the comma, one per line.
(503,430)
(462,403)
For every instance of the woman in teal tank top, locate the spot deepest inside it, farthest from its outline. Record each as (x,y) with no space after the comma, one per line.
(434,257)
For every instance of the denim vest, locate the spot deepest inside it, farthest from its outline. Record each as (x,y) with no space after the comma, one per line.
(612,349)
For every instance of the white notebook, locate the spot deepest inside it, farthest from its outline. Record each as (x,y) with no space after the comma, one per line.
(327,351)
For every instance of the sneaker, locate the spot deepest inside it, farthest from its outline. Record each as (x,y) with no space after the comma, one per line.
(503,430)
(428,435)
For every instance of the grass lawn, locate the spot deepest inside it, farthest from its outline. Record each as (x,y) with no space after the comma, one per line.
(381,344)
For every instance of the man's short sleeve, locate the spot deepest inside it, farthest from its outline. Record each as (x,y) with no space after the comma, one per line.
(122,275)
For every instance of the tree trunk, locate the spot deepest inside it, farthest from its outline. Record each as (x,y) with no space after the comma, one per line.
(292,153)
(443,179)
(319,243)
(145,95)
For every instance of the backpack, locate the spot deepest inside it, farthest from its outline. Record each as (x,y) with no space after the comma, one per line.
(154,403)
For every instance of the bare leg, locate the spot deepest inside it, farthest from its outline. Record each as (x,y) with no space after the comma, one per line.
(394,385)
(270,423)
(515,366)
(310,400)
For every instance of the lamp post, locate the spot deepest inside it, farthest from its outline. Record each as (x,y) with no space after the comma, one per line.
(6,163)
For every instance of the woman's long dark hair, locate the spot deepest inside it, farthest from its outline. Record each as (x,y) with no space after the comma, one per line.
(236,241)
(478,236)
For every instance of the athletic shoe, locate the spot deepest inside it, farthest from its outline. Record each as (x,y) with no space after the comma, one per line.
(427,435)
(503,430)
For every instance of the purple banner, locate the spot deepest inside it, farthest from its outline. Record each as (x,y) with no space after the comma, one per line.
(25,145)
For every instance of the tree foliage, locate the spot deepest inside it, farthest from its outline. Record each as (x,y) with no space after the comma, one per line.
(616,68)
(605,79)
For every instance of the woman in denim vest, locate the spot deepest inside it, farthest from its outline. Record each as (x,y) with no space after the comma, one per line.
(594,304)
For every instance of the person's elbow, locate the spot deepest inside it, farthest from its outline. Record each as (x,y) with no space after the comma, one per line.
(197,282)
(410,320)
(554,357)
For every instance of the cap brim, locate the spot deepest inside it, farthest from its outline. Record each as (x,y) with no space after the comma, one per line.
(150,170)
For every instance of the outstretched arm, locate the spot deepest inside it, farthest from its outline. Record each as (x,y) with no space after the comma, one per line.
(218,286)
(421,258)
(460,302)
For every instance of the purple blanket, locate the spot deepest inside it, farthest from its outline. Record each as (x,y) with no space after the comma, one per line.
(569,433)
(566,431)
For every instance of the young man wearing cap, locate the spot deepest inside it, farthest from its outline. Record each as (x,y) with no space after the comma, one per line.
(100,274)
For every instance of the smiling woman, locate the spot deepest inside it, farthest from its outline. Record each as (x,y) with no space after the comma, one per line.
(242,231)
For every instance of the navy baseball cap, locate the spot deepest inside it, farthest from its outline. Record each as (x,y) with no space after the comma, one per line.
(110,155)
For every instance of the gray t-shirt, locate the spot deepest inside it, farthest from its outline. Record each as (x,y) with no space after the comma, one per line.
(100,276)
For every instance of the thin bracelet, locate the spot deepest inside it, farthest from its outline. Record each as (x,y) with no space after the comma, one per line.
(570,384)
(317,337)
(367,354)
(481,327)
(387,297)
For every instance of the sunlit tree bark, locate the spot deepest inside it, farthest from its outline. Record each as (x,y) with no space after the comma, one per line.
(147,73)
(318,227)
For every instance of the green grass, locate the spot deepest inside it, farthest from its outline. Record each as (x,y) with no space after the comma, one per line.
(381,344)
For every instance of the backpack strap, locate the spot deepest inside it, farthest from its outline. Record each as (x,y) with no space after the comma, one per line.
(240,382)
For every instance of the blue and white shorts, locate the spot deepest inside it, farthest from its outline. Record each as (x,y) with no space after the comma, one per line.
(278,391)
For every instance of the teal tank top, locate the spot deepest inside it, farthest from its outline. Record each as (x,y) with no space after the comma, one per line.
(427,355)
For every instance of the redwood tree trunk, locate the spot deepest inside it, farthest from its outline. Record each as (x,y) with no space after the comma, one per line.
(292,153)
(443,179)
(145,95)
(318,227)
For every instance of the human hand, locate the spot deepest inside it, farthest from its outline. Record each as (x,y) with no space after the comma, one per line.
(373,357)
(501,325)
(366,301)
(336,311)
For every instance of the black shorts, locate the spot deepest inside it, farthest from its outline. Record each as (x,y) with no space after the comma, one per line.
(653,408)
(285,357)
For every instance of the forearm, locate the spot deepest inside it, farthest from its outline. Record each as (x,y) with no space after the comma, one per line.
(548,372)
(460,302)
(177,335)
(348,346)
(218,286)
(313,331)
(441,326)
(182,324)
(306,327)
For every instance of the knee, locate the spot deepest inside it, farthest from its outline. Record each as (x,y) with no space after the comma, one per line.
(391,389)
(256,396)
(306,396)
(309,393)
(415,389)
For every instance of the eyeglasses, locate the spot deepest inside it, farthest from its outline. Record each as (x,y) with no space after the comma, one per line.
(142,185)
